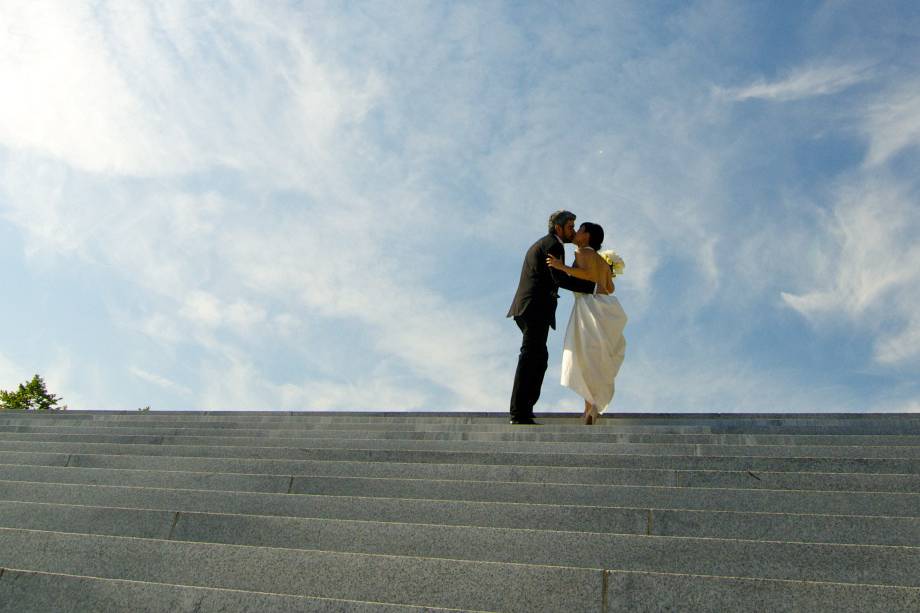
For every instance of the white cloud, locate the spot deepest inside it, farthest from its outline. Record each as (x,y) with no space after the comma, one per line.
(67,98)
(210,262)
(246,278)
(202,307)
(172,89)
(159,380)
(206,309)
(286,201)
(367,394)
(711,379)
(903,346)
(803,82)
(871,277)
(157,326)
(893,122)
(236,383)
(449,344)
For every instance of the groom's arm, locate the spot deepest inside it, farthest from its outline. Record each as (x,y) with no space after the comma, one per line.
(571,283)
(564,280)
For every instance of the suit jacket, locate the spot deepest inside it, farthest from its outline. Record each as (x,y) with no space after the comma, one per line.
(538,289)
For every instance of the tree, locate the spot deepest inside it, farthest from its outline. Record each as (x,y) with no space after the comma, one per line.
(31,396)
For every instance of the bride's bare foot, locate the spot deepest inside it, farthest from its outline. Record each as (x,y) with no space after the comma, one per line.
(588,416)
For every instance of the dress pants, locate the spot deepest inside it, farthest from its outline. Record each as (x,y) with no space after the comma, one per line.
(532,362)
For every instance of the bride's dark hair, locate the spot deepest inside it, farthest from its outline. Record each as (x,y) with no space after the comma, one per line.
(595,232)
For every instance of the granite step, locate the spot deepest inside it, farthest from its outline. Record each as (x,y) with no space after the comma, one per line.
(839,563)
(37,592)
(274,475)
(822,451)
(626,592)
(797,528)
(571,425)
(568,425)
(475,433)
(642,512)
(714,499)
(820,526)
(777,501)
(868,423)
(560,459)
(645,592)
(484,586)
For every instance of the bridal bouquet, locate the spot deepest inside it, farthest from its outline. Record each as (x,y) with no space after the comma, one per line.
(617,265)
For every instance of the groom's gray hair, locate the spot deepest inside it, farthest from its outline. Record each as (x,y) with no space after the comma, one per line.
(560,218)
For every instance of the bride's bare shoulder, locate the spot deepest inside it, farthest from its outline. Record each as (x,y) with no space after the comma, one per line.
(589,257)
(584,254)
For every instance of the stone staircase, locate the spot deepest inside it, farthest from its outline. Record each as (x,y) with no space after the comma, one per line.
(396,512)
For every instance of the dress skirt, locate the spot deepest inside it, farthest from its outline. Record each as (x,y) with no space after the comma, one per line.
(594,348)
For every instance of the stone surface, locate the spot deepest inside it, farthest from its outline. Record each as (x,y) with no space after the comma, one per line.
(481,472)
(141,523)
(444,512)
(642,497)
(839,529)
(198,480)
(32,592)
(776,501)
(387,512)
(484,446)
(481,586)
(837,563)
(798,527)
(463,432)
(906,466)
(654,592)
(573,549)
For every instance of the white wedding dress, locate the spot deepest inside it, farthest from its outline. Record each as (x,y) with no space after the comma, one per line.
(594,348)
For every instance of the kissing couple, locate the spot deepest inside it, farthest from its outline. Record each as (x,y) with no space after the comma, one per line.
(594,346)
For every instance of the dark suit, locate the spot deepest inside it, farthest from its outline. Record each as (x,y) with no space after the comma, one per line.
(534,311)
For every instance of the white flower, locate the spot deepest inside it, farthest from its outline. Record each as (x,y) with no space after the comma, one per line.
(617,265)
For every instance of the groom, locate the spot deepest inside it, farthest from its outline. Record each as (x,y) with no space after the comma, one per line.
(534,311)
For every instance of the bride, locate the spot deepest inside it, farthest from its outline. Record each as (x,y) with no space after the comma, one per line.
(594,345)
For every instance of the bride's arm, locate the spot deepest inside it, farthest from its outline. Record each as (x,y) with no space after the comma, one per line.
(578,273)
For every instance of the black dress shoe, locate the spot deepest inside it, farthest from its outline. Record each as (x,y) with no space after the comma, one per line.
(525,421)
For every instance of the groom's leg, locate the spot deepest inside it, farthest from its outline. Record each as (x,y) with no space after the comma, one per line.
(532,362)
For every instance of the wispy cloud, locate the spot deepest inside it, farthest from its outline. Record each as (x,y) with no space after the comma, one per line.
(870,277)
(326,206)
(893,122)
(801,83)
(721,382)
(172,88)
(158,380)
(222,270)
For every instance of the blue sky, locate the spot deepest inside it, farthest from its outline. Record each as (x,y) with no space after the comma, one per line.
(286,205)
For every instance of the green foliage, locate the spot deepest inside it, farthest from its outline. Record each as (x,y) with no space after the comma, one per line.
(31,396)
(145,409)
